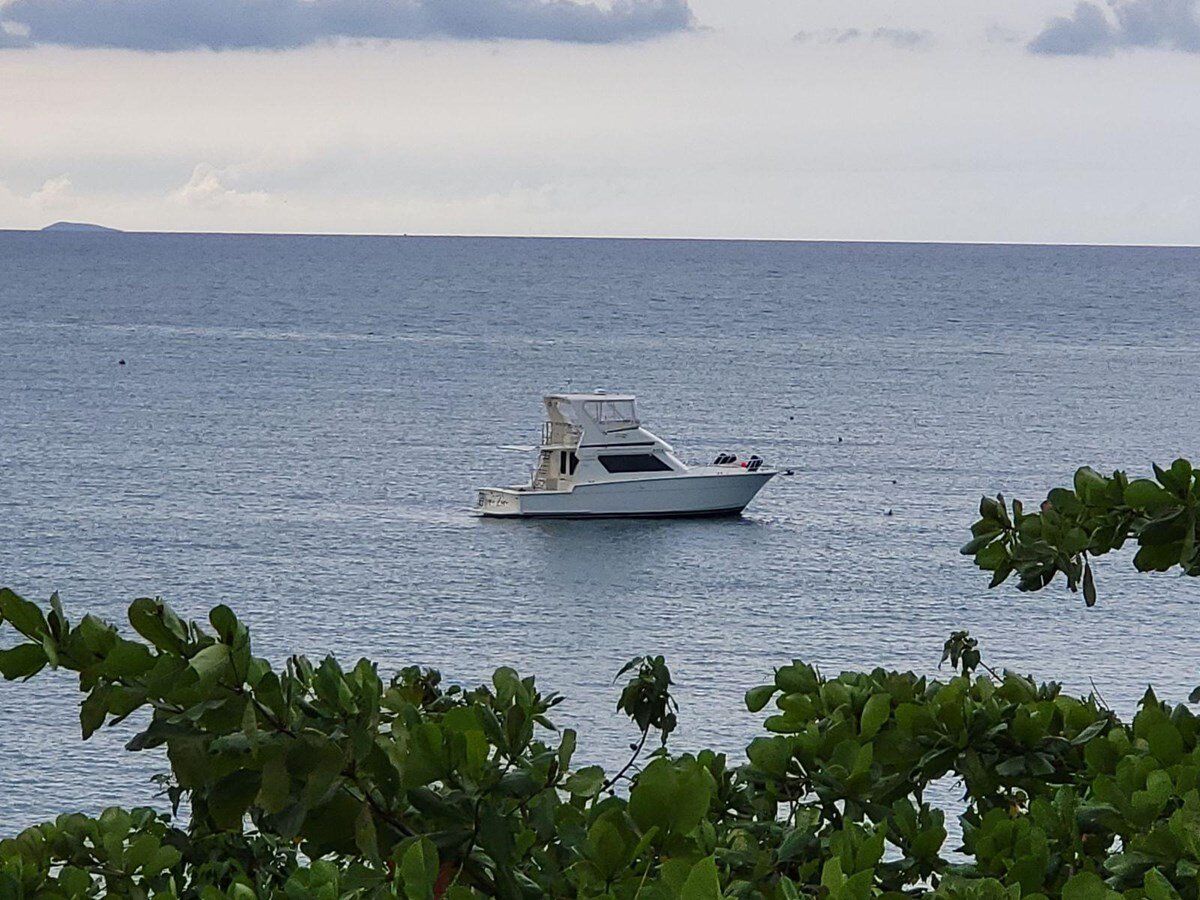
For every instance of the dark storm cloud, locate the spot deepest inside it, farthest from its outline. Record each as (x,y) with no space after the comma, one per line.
(1089,31)
(166,25)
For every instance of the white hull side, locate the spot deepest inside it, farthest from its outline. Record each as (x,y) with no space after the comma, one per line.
(694,495)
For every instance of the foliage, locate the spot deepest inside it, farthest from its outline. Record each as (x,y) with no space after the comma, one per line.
(323,781)
(1095,516)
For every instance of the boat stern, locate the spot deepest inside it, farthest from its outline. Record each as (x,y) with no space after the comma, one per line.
(498,502)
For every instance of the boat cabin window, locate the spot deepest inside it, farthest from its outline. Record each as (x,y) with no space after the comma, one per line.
(611,412)
(567,462)
(633,462)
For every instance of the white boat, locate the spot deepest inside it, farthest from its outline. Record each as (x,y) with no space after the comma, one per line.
(596,460)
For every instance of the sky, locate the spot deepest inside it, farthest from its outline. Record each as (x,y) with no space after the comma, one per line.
(1047,121)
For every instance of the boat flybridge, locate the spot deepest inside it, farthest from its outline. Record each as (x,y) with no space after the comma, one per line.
(596,460)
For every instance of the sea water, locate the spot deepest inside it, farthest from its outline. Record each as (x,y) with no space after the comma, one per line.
(300,422)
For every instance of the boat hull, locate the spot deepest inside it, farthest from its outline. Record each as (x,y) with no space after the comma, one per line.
(675,497)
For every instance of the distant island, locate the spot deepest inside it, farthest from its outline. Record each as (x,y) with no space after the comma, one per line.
(82,226)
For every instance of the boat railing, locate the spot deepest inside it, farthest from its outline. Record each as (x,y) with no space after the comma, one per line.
(561,433)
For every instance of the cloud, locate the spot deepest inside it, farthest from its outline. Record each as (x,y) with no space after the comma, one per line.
(1153,24)
(845,37)
(11,35)
(903,38)
(167,25)
(55,193)
(998,34)
(208,189)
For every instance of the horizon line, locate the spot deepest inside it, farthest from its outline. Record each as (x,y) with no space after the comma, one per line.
(111,231)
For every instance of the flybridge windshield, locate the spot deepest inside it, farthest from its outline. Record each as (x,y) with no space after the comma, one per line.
(611,412)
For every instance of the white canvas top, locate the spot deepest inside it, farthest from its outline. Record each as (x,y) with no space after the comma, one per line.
(605,410)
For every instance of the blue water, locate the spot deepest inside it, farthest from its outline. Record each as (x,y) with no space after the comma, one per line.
(301,420)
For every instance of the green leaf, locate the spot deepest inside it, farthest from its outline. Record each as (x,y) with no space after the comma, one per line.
(210,662)
(990,508)
(1177,479)
(1166,743)
(275,790)
(155,621)
(703,881)
(1091,731)
(318,882)
(50,648)
(607,846)
(231,797)
(832,877)
(566,749)
(128,659)
(771,754)
(1064,501)
(1158,887)
(164,858)
(1089,585)
(418,868)
(758,697)
(59,626)
(365,836)
(22,661)
(1158,558)
(876,712)
(74,881)
(1087,886)
(674,795)
(23,615)
(1089,484)
(96,634)
(224,622)
(798,678)
(992,556)
(93,710)
(1001,574)
(426,760)
(1169,528)
(140,851)
(1142,493)
(496,835)
(585,782)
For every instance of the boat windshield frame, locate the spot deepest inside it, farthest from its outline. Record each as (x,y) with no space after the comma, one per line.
(612,413)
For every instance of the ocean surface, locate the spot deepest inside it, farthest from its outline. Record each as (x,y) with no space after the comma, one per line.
(300,423)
